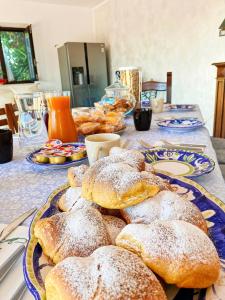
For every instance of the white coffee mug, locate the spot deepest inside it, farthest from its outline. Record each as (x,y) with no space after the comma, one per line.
(157,105)
(98,145)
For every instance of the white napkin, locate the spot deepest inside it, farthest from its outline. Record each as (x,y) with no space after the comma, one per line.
(12,283)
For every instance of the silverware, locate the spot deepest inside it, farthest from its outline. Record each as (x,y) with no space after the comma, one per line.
(183,144)
(177,147)
(170,146)
(145,144)
(9,228)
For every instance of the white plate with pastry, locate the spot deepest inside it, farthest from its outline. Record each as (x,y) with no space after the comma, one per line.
(74,241)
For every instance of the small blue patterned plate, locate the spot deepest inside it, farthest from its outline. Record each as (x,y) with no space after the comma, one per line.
(179,162)
(67,164)
(36,265)
(181,107)
(180,124)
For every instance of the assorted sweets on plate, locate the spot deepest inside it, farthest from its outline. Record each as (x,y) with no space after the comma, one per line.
(55,152)
(115,228)
(119,105)
(96,121)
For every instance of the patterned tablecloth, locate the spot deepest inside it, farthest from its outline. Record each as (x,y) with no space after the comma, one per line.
(22,186)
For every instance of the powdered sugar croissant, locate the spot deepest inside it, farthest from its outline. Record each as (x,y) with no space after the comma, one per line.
(119,181)
(76,233)
(109,273)
(166,205)
(177,251)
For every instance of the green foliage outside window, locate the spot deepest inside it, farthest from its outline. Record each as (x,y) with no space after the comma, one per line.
(17,56)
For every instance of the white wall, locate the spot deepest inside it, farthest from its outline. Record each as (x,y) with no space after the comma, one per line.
(52,25)
(160,35)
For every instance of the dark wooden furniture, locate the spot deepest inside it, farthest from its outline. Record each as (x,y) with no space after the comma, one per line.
(219,115)
(12,118)
(157,86)
(3,117)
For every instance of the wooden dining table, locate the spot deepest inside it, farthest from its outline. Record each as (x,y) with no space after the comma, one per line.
(23,186)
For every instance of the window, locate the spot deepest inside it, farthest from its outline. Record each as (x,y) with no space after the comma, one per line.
(17,59)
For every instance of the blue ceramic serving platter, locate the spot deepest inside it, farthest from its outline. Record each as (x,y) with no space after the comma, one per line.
(180,124)
(179,162)
(36,265)
(31,159)
(181,107)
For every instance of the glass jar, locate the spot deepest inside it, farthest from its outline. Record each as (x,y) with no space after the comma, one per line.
(117,99)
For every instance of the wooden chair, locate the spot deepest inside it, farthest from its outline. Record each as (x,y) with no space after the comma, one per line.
(155,86)
(3,118)
(11,118)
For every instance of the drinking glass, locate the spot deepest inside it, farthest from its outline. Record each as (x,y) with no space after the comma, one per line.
(142,118)
(32,129)
(157,105)
(6,146)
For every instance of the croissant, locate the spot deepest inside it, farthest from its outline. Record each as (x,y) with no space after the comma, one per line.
(109,273)
(116,181)
(75,175)
(76,233)
(177,251)
(166,205)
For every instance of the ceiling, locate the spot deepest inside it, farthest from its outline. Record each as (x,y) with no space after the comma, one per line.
(84,3)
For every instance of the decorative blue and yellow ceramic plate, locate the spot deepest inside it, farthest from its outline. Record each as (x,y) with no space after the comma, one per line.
(67,164)
(36,265)
(179,162)
(180,124)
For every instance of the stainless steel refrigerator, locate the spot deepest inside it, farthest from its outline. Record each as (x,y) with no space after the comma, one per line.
(83,71)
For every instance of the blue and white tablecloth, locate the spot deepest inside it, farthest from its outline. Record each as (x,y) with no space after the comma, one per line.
(22,186)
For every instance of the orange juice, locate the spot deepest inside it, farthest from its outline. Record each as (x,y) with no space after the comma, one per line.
(60,123)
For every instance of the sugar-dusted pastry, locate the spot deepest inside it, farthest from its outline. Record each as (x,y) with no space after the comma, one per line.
(76,233)
(118,185)
(166,205)
(75,175)
(114,226)
(109,273)
(177,251)
(88,128)
(132,158)
(116,151)
(71,200)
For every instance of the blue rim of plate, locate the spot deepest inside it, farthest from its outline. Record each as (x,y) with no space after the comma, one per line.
(177,124)
(181,107)
(198,163)
(212,208)
(30,156)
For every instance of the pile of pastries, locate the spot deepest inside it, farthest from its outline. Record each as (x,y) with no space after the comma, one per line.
(99,122)
(122,233)
(54,152)
(120,105)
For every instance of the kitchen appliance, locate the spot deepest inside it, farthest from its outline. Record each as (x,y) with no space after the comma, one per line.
(83,71)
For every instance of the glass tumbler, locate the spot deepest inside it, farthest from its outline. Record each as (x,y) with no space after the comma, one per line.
(32,129)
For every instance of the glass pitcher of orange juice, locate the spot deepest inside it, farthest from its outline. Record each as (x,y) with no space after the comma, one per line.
(60,121)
